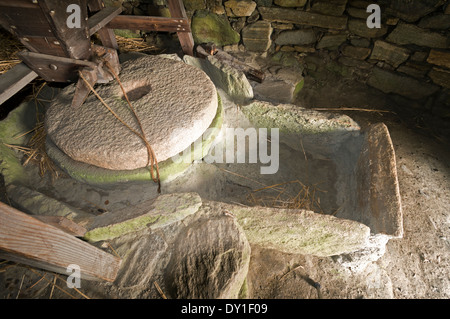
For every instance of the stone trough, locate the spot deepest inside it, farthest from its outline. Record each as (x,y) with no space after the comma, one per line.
(210,212)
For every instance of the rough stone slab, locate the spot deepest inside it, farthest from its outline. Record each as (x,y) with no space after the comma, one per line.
(392,54)
(390,82)
(413,10)
(358,53)
(378,192)
(440,77)
(359,27)
(210,258)
(412,34)
(331,41)
(439,21)
(294,119)
(300,231)
(36,203)
(205,255)
(174,113)
(296,37)
(153,214)
(168,169)
(239,8)
(256,36)
(224,76)
(290,3)
(210,27)
(440,58)
(329,7)
(274,14)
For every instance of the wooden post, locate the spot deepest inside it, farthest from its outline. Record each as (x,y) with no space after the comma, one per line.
(27,240)
(177,10)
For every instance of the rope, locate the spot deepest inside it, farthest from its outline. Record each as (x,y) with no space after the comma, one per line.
(151,159)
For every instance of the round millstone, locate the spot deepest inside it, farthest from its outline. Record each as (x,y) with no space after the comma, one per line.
(174,102)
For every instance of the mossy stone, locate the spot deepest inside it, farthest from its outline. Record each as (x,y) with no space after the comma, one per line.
(210,27)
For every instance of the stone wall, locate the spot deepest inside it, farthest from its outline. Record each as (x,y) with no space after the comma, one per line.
(409,56)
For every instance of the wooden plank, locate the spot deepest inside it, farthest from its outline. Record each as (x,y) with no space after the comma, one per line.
(53,68)
(14,80)
(147,23)
(19,3)
(177,10)
(64,224)
(17,21)
(27,240)
(102,18)
(44,45)
(106,35)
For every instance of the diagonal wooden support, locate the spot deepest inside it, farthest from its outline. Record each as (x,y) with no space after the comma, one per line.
(27,240)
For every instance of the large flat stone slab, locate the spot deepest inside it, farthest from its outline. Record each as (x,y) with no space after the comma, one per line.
(175,103)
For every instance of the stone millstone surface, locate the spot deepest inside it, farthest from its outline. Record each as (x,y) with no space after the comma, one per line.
(175,103)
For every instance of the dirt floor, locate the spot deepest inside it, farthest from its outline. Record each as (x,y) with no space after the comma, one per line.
(415,266)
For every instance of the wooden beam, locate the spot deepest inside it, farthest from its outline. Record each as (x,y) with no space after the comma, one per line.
(29,241)
(147,23)
(54,68)
(14,80)
(102,18)
(106,35)
(177,10)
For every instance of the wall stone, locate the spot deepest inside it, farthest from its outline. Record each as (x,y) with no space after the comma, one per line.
(408,56)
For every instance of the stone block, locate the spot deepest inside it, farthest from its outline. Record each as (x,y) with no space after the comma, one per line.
(438,21)
(359,27)
(440,58)
(192,5)
(390,82)
(290,3)
(392,54)
(210,27)
(284,15)
(405,34)
(413,10)
(239,8)
(296,37)
(331,41)
(329,7)
(257,36)
(358,53)
(440,77)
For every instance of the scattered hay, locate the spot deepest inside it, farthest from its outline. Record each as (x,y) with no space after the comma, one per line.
(134,45)
(288,195)
(8,54)
(35,151)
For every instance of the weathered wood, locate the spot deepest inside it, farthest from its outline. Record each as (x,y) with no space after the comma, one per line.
(25,239)
(147,23)
(106,35)
(64,224)
(177,10)
(74,41)
(53,68)
(102,18)
(82,90)
(14,80)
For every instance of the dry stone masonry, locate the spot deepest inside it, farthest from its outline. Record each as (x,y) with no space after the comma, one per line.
(407,56)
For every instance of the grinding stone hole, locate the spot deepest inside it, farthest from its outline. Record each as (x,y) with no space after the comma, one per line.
(135,93)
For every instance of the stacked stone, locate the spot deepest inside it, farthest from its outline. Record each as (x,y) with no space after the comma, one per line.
(409,56)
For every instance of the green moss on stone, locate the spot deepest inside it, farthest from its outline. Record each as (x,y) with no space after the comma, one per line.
(210,27)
